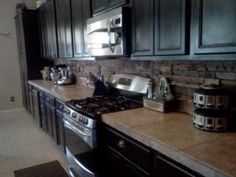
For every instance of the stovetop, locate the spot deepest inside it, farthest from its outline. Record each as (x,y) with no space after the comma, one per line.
(95,106)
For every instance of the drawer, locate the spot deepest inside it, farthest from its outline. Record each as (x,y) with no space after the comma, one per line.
(129,148)
(49,99)
(59,105)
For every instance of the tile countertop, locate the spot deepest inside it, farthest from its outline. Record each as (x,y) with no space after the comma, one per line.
(63,92)
(172,134)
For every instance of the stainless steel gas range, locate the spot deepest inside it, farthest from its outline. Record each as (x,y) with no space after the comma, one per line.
(81,122)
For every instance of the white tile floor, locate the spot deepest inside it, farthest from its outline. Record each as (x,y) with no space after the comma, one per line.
(23,144)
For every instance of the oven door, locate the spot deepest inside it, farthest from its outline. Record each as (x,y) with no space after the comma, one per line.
(80,150)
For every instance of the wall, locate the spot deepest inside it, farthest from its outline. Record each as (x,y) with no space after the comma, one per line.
(184,76)
(9,65)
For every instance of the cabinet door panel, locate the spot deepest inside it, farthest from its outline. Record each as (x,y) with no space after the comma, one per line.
(142,14)
(214,23)
(170,27)
(60,130)
(86,13)
(165,167)
(63,12)
(77,27)
(99,5)
(80,13)
(116,3)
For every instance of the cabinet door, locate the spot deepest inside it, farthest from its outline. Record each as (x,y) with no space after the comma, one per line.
(80,10)
(86,13)
(51,29)
(99,6)
(170,27)
(43,31)
(60,130)
(142,17)
(77,27)
(64,32)
(165,167)
(116,3)
(213,25)
(51,121)
(35,106)
(119,167)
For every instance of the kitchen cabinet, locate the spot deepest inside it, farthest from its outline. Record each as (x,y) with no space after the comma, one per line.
(99,6)
(159,27)
(142,27)
(48,35)
(30,62)
(51,116)
(60,125)
(125,156)
(165,167)
(42,111)
(35,107)
(170,27)
(64,31)
(129,158)
(213,26)
(80,12)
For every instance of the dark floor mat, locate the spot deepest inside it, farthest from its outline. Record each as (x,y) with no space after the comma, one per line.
(50,169)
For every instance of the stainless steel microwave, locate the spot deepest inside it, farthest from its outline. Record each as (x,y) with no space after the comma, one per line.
(108,34)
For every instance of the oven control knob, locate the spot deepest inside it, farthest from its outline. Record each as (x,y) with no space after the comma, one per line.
(85,121)
(80,118)
(74,115)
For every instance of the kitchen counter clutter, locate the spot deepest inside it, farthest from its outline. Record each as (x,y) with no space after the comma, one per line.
(62,92)
(172,134)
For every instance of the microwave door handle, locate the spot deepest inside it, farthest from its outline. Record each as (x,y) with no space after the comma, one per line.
(109,35)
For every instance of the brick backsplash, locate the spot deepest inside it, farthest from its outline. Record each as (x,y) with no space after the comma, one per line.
(184,76)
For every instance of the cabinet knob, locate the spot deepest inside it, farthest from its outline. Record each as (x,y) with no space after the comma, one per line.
(121,144)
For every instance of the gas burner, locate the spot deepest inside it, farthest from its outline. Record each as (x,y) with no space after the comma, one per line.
(98,105)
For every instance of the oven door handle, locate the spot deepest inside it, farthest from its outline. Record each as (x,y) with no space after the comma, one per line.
(74,129)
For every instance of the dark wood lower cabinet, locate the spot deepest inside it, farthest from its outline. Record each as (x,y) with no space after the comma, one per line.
(51,121)
(119,166)
(165,167)
(60,130)
(128,158)
(35,106)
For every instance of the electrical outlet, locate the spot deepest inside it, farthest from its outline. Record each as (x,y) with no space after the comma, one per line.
(12,99)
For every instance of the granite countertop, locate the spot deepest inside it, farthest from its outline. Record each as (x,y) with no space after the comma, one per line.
(63,92)
(172,134)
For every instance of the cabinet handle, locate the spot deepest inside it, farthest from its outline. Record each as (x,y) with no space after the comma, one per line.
(121,144)
(47,99)
(61,106)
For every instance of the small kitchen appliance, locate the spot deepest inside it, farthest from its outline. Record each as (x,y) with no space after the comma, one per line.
(61,75)
(211,108)
(81,121)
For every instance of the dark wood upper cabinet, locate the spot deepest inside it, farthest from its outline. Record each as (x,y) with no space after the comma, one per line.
(63,16)
(48,34)
(80,10)
(213,26)
(99,6)
(170,25)
(142,27)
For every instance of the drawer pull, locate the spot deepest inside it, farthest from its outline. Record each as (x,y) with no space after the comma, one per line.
(121,144)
